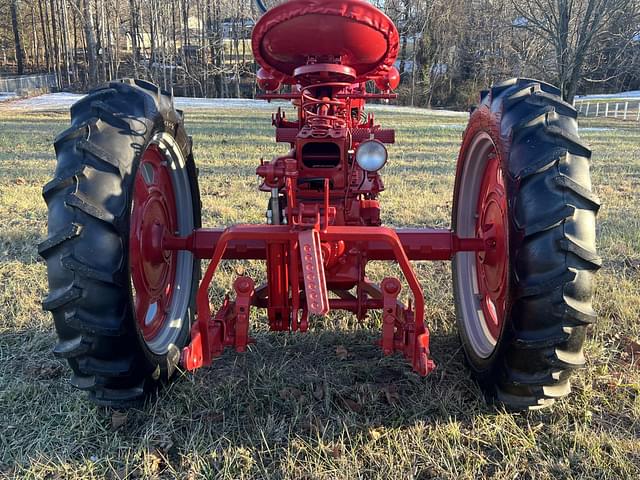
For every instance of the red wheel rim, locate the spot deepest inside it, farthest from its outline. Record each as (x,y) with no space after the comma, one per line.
(153,271)
(491,265)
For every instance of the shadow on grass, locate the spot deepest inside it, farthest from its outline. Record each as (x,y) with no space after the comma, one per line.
(286,388)
(20,245)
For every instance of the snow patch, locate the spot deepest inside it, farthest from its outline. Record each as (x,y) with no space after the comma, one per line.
(595,129)
(49,101)
(63,101)
(6,96)
(417,111)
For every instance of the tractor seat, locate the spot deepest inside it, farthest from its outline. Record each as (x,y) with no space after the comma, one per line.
(351,33)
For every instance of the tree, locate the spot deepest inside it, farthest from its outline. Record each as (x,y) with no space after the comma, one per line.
(449,50)
(85,7)
(574,29)
(17,36)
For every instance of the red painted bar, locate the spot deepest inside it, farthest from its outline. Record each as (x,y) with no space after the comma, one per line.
(355,96)
(419,244)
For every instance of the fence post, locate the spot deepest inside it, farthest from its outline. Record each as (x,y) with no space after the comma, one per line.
(616,113)
(626,107)
(606,109)
(587,111)
(597,109)
(638,119)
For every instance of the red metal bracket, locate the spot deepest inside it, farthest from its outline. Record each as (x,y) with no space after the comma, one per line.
(399,330)
(390,290)
(229,328)
(245,289)
(315,285)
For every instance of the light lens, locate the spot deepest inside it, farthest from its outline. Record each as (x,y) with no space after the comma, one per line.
(371,155)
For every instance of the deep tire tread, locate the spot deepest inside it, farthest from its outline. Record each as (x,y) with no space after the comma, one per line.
(78,201)
(56,300)
(549,196)
(587,255)
(90,300)
(86,271)
(68,233)
(91,325)
(566,182)
(99,153)
(74,347)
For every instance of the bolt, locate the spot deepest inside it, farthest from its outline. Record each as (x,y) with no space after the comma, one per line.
(391,285)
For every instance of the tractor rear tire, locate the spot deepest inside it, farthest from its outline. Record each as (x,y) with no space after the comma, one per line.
(91,203)
(523,305)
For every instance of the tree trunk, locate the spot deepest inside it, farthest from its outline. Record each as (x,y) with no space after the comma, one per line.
(17,37)
(65,41)
(45,39)
(92,60)
(54,40)
(35,48)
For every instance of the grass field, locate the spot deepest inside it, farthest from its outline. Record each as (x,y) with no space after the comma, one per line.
(292,407)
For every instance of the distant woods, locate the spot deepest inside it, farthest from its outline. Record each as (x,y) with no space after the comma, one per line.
(449,49)
(200,48)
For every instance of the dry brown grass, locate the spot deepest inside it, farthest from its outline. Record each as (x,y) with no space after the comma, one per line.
(290,407)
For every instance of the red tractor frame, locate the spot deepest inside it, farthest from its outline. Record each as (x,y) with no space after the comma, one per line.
(125,238)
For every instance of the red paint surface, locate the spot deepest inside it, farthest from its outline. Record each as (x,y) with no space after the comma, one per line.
(491,264)
(152,268)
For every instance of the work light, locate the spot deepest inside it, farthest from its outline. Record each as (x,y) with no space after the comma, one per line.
(371,155)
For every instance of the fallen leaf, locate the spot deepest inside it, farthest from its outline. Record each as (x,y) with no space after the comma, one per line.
(46,372)
(20,181)
(336,451)
(375,434)
(290,393)
(341,352)
(118,419)
(352,405)
(318,391)
(239,270)
(391,395)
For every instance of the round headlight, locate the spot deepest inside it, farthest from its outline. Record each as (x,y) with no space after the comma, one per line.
(371,155)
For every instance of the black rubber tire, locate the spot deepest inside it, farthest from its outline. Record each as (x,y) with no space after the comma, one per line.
(552,249)
(86,251)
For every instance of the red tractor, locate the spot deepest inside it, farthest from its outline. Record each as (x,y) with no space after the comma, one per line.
(125,238)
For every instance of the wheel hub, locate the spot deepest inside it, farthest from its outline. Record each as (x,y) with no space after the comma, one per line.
(153,270)
(491,265)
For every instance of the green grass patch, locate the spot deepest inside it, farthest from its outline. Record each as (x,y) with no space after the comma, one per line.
(290,408)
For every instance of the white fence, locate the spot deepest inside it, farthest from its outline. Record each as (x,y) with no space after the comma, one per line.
(621,109)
